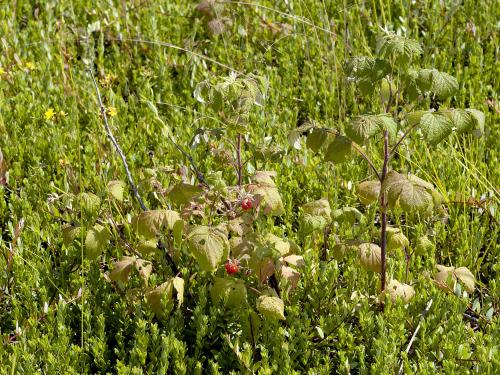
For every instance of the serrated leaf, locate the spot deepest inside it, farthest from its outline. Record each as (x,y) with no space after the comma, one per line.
(403,49)
(349,215)
(116,189)
(397,241)
(144,268)
(369,192)
(90,203)
(122,268)
(290,274)
(370,257)
(178,284)
(462,120)
(396,290)
(295,260)
(310,224)
(280,245)
(466,277)
(411,194)
(147,247)
(182,193)
(294,135)
(231,291)
(360,128)
(96,241)
(366,71)
(435,127)
(264,188)
(208,245)
(160,299)
(148,224)
(479,118)
(317,138)
(339,150)
(70,233)
(320,207)
(424,246)
(439,83)
(271,308)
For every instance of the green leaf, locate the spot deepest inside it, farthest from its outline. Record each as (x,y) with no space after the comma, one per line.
(339,150)
(69,233)
(479,117)
(462,120)
(90,203)
(183,193)
(349,215)
(441,84)
(148,224)
(369,192)
(370,257)
(147,247)
(435,127)
(230,291)
(397,241)
(116,189)
(295,134)
(96,241)
(411,194)
(360,128)
(271,308)
(320,207)
(366,72)
(311,223)
(403,49)
(424,246)
(160,299)
(317,139)
(280,245)
(208,245)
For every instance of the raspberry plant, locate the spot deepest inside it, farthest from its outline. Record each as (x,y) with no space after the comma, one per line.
(400,100)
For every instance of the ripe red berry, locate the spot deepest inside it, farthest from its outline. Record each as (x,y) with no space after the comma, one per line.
(231,267)
(246,204)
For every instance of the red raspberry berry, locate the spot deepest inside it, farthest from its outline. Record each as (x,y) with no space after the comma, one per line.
(231,267)
(246,204)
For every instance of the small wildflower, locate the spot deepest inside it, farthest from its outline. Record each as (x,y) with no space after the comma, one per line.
(62,114)
(63,162)
(2,70)
(49,114)
(112,111)
(29,65)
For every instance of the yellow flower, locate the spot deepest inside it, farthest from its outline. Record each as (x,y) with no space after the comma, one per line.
(30,65)
(49,114)
(2,71)
(112,111)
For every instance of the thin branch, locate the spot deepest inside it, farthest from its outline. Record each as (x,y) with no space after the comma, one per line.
(116,145)
(407,132)
(368,160)
(358,150)
(422,315)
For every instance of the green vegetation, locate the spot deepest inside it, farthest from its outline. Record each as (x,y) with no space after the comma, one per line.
(249,187)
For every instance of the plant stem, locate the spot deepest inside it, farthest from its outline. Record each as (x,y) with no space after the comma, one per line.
(238,159)
(407,132)
(117,146)
(383,212)
(368,160)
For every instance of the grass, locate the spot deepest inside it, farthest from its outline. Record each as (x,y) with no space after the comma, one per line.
(58,313)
